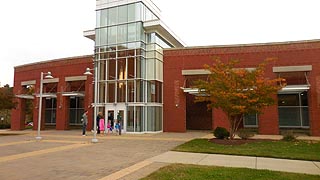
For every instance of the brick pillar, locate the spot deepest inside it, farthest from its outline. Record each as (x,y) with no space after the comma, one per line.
(314,107)
(18,115)
(62,120)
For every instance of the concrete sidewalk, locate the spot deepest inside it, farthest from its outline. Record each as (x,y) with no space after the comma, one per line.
(296,166)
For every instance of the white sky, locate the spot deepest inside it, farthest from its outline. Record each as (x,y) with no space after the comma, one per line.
(38,30)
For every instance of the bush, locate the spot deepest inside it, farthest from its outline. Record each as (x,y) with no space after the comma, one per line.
(289,136)
(245,133)
(221,133)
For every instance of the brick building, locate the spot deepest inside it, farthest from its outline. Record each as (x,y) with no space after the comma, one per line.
(297,103)
(143,74)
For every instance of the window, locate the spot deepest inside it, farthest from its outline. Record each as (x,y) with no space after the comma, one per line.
(293,109)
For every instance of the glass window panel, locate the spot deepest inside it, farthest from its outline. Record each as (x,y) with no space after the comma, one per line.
(250,120)
(131,12)
(130,91)
(110,92)
(139,31)
(130,121)
(138,16)
(102,92)
(98,17)
(304,98)
(123,14)
(122,33)
(139,120)
(150,118)
(103,18)
(130,53)
(305,116)
(138,68)
(112,16)
(102,70)
(97,38)
(154,119)
(288,99)
(158,119)
(289,116)
(111,69)
(132,33)
(140,86)
(131,68)
(112,35)
(121,91)
(122,54)
(151,91)
(122,73)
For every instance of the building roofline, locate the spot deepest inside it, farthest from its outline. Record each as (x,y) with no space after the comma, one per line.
(246,45)
(53,60)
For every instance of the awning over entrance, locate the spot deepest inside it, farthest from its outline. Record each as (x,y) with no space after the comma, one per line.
(25,96)
(294,88)
(77,94)
(47,95)
(195,91)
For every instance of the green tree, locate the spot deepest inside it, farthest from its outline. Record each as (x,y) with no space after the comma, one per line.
(7,98)
(238,91)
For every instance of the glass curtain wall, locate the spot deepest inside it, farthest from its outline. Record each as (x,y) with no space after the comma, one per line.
(130,65)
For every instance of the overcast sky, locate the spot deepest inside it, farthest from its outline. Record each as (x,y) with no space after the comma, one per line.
(38,30)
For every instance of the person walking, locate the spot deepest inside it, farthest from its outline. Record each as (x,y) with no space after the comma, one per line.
(84,122)
(101,125)
(99,116)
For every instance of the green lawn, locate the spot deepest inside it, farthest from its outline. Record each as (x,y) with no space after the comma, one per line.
(302,150)
(194,172)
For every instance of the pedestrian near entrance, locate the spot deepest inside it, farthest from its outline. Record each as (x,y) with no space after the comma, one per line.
(118,127)
(99,116)
(101,125)
(84,122)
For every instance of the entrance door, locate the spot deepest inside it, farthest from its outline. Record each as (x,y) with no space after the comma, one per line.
(116,113)
(198,115)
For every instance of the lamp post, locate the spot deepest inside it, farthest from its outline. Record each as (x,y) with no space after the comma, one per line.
(94,139)
(48,76)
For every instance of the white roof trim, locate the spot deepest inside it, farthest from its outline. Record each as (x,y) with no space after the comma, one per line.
(159,27)
(90,34)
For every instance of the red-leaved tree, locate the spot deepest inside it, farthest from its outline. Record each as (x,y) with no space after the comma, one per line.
(238,91)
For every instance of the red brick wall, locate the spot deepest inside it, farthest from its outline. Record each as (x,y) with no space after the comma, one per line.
(60,68)
(287,54)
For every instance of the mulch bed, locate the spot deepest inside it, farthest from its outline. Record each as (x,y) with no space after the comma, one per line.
(235,141)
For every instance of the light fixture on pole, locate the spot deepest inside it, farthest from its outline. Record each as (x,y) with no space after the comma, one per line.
(48,76)
(94,139)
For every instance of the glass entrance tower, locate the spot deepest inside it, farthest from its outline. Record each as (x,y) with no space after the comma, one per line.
(129,42)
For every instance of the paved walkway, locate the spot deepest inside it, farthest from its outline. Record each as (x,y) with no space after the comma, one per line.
(68,155)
